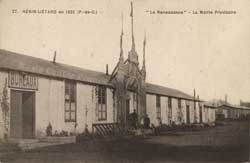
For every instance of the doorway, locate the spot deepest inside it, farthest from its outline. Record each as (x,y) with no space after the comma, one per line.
(22,114)
(127,109)
(201,118)
(188,114)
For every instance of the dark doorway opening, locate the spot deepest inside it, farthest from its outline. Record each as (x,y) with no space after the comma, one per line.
(188,114)
(22,117)
(201,118)
(127,109)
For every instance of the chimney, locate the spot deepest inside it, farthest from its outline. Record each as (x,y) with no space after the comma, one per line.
(226,98)
(54,58)
(194,94)
(194,99)
(241,102)
(107,69)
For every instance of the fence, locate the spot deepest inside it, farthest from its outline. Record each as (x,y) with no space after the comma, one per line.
(107,129)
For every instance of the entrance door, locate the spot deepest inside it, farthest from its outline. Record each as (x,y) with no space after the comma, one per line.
(16,118)
(201,115)
(22,118)
(127,110)
(28,103)
(188,114)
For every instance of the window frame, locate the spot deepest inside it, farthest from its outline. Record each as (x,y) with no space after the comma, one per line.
(71,99)
(179,103)
(169,102)
(158,106)
(169,109)
(179,112)
(102,103)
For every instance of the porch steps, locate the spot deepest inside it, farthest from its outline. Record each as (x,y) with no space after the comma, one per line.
(27,144)
(6,147)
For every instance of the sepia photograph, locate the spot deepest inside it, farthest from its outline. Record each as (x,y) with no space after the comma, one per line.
(124,81)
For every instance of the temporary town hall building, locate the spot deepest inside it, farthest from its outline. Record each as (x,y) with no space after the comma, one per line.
(35,93)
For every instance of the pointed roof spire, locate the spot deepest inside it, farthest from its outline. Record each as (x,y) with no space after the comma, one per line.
(132,26)
(144,58)
(121,59)
(132,55)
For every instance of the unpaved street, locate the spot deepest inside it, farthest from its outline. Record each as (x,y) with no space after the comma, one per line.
(227,143)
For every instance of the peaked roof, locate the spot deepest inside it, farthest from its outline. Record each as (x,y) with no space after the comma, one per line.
(217,103)
(19,62)
(209,104)
(157,89)
(13,61)
(227,105)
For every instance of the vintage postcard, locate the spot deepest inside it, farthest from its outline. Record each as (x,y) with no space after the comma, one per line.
(89,81)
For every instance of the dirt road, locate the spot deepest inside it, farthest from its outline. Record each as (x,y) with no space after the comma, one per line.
(227,143)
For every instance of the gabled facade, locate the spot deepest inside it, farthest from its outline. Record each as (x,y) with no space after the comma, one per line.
(129,78)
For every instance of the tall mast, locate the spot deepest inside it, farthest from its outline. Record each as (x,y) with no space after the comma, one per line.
(144,58)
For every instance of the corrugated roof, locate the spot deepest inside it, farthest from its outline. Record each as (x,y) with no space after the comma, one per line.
(157,89)
(209,104)
(222,103)
(19,62)
(234,106)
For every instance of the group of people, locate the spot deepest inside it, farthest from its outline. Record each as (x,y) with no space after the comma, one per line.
(144,123)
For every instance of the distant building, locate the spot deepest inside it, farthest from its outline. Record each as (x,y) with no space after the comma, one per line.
(209,113)
(229,111)
(242,103)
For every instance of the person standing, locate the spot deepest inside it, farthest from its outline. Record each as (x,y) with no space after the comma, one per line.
(158,126)
(146,122)
(134,118)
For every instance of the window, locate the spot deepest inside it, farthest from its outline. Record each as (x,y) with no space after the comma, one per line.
(158,101)
(180,116)
(102,107)
(158,106)
(179,103)
(169,102)
(70,101)
(169,109)
(195,114)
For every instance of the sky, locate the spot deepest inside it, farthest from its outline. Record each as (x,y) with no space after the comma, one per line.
(208,52)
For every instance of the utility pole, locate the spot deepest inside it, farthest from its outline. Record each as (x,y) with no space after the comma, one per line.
(249,117)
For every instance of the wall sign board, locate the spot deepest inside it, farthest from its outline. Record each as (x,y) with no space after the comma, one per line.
(22,80)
